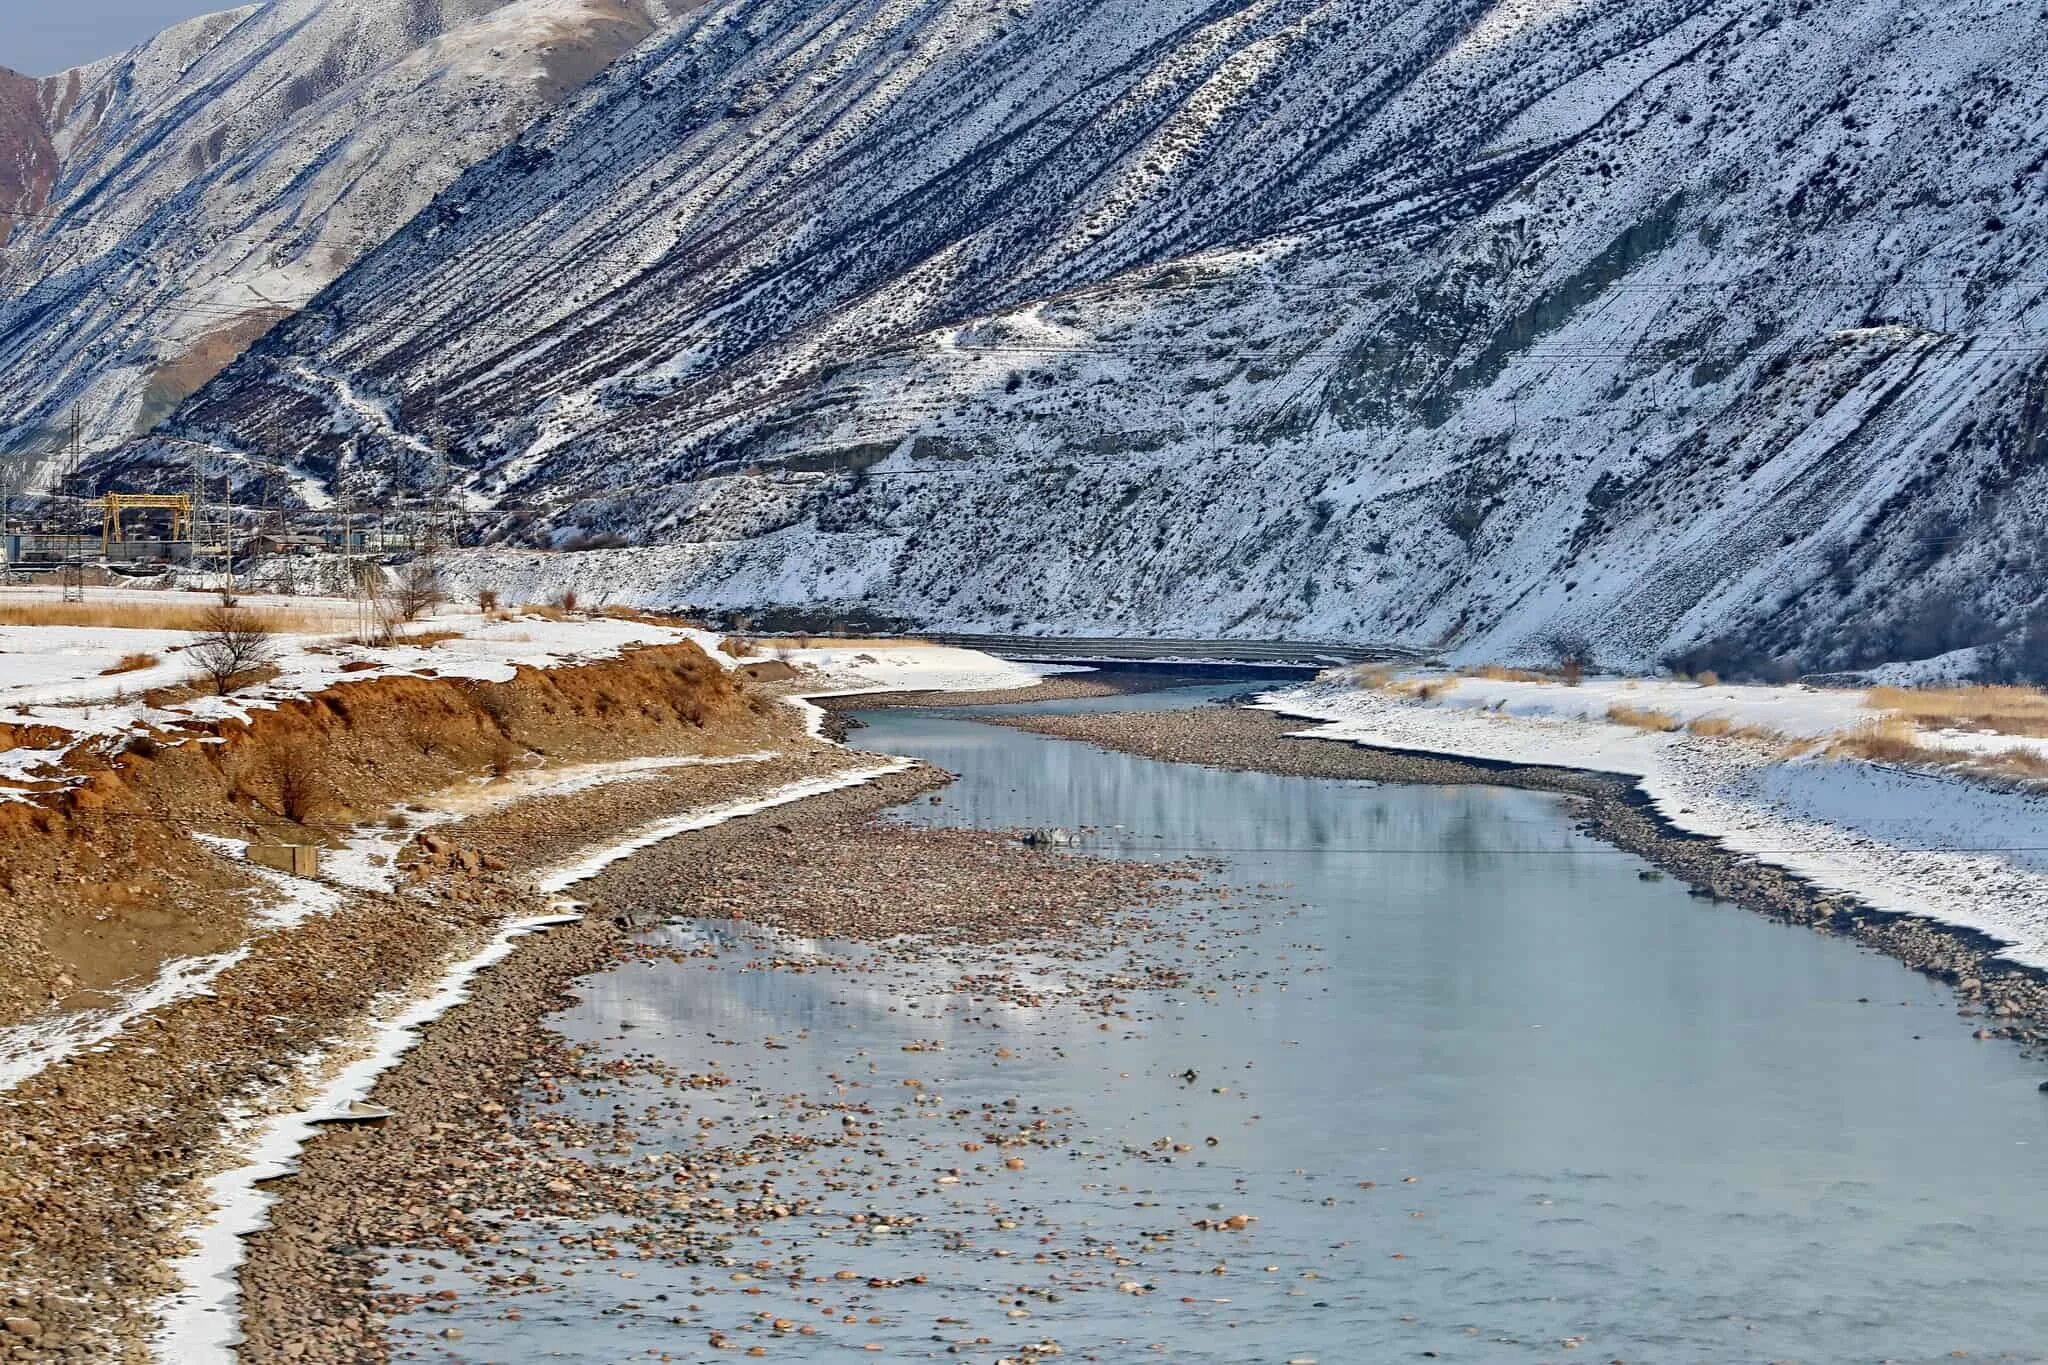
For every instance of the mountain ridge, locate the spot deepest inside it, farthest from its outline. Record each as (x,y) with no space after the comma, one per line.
(1700,328)
(161,208)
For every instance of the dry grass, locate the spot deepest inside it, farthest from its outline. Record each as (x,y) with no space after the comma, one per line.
(1894,739)
(1999,710)
(1641,718)
(427,639)
(1365,677)
(1720,727)
(1886,739)
(1707,678)
(180,612)
(1500,673)
(131,663)
(738,647)
(2025,763)
(1425,689)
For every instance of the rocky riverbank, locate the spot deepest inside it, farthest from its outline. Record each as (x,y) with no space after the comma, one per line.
(460,1151)
(1999,999)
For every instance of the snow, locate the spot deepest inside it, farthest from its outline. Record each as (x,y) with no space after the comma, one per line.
(1456,328)
(26,1049)
(200,1325)
(1933,844)
(51,676)
(914,668)
(368,858)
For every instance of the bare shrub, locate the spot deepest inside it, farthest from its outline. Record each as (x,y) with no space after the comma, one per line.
(504,760)
(500,703)
(487,600)
(1708,678)
(566,600)
(232,645)
(419,590)
(1573,653)
(294,770)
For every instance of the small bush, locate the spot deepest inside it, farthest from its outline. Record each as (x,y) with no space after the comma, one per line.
(1708,678)
(294,771)
(487,600)
(235,644)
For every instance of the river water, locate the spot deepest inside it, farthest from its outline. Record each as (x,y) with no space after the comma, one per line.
(1485,1092)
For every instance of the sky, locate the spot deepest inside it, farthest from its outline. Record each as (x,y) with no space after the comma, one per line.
(42,37)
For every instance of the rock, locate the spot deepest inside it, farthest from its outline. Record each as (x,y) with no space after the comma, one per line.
(22,1327)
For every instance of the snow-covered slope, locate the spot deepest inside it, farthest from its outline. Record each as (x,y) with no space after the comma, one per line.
(168,205)
(1481,325)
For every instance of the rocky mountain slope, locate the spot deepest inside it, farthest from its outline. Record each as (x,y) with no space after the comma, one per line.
(161,209)
(1666,328)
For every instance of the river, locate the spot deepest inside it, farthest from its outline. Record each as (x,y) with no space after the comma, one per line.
(1483,1089)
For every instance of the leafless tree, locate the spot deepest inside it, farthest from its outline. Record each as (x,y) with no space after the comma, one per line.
(419,590)
(232,644)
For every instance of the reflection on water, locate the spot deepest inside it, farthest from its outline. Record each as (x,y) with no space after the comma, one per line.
(1487,1093)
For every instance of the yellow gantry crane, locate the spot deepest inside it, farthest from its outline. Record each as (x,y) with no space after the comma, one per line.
(114,505)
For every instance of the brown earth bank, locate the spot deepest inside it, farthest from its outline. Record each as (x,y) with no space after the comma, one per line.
(2008,1001)
(103,1155)
(462,1151)
(101,881)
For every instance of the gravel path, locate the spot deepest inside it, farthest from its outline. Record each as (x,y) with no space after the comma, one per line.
(2001,1000)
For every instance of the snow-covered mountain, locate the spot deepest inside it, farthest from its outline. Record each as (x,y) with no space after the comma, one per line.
(161,209)
(1490,325)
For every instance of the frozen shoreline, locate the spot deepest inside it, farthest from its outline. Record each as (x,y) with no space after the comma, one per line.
(1904,841)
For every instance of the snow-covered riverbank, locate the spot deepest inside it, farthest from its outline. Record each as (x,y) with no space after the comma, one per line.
(1903,839)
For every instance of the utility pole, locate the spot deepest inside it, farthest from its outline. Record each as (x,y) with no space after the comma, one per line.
(228,542)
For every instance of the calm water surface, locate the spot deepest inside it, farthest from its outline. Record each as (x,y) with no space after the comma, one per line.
(1601,1120)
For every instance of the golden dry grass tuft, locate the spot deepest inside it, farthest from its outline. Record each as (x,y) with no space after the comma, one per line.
(1424,689)
(1886,739)
(179,612)
(2000,710)
(131,663)
(1721,727)
(1501,673)
(1365,677)
(1642,718)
